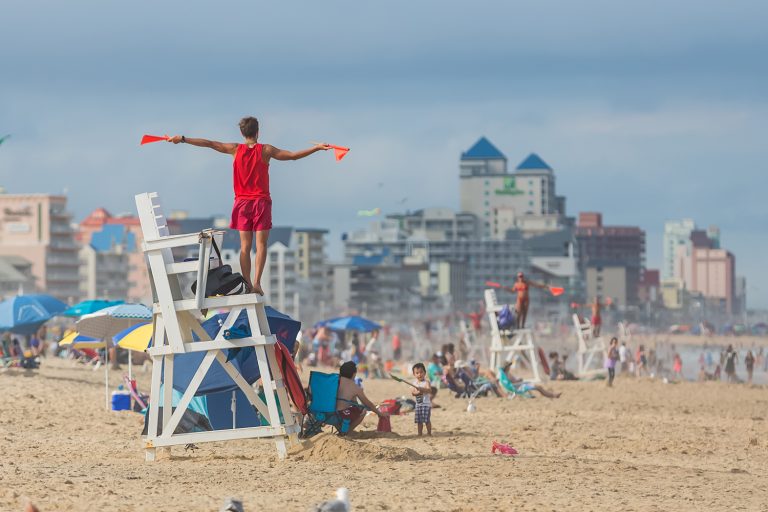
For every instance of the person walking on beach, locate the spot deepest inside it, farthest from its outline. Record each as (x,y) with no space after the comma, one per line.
(624,357)
(611,356)
(749,361)
(397,348)
(596,320)
(730,363)
(252,211)
(423,397)
(641,362)
(677,366)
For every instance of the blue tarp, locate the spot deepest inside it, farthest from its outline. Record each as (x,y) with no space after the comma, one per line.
(216,380)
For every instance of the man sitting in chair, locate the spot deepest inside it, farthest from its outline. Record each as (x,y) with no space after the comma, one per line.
(349,393)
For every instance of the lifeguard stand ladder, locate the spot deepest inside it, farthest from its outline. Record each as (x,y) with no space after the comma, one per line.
(176,319)
(591,349)
(505,345)
(472,346)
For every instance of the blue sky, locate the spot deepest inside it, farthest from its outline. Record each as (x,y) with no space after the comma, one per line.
(647,111)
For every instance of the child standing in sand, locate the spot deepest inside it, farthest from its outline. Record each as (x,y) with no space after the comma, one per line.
(423,399)
(252,211)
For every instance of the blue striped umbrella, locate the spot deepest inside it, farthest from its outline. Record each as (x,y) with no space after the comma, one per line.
(24,314)
(105,323)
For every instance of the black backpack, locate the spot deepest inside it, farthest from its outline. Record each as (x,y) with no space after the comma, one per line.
(221,280)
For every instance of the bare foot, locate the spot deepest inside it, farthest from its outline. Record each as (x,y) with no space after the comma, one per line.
(257,289)
(31,508)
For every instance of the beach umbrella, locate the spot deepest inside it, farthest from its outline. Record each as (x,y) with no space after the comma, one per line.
(74,337)
(136,337)
(24,314)
(109,321)
(353,323)
(105,323)
(87,307)
(93,344)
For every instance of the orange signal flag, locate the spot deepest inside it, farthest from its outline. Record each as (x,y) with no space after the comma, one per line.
(556,290)
(339,151)
(146,139)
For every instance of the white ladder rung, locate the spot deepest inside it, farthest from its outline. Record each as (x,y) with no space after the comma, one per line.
(215,302)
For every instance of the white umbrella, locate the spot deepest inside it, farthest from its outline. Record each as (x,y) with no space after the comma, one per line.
(105,323)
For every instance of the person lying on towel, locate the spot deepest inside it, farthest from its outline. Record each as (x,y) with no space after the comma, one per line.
(349,393)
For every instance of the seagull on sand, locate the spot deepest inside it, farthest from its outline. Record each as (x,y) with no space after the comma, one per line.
(340,504)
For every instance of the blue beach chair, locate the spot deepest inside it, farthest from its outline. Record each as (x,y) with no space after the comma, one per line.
(523,389)
(323,393)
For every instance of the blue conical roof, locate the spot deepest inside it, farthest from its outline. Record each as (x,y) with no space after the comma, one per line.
(483,150)
(533,161)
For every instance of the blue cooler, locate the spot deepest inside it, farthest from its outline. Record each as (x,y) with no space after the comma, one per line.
(121,399)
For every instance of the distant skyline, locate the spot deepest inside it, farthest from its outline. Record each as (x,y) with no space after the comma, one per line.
(647,111)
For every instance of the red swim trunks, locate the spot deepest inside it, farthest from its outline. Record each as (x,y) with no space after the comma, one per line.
(352,413)
(252,214)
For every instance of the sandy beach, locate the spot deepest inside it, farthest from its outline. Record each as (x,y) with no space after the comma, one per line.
(643,445)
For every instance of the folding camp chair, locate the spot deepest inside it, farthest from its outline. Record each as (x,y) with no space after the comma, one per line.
(323,395)
(523,389)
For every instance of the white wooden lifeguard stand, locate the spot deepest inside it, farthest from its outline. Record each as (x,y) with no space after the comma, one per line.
(505,344)
(175,321)
(589,355)
(474,349)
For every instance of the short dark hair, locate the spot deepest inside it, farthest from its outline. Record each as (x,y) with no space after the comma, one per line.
(348,369)
(249,127)
(419,366)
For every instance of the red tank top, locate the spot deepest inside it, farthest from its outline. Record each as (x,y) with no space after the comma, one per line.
(251,174)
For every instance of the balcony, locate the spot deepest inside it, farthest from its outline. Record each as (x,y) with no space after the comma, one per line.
(58,277)
(58,261)
(61,245)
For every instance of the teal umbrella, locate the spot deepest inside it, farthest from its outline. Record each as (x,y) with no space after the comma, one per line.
(90,306)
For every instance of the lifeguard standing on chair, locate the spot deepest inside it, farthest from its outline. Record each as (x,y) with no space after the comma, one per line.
(252,211)
(523,300)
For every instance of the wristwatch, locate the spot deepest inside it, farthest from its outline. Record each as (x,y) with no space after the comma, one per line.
(183,139)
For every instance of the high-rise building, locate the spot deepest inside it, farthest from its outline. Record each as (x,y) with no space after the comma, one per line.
(524,199)
(676,233)
(139,289)
(710,273)
(439,235)
(104,264)
(612,258)
(37,227)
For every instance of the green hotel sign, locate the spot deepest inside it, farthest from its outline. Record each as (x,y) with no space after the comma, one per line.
(509,188)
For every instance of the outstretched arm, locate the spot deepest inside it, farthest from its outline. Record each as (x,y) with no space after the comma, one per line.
(282,154)
(222,147)
(537,284)
(366,402)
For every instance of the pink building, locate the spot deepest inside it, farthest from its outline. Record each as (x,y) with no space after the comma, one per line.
(37,227)
(710,272)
